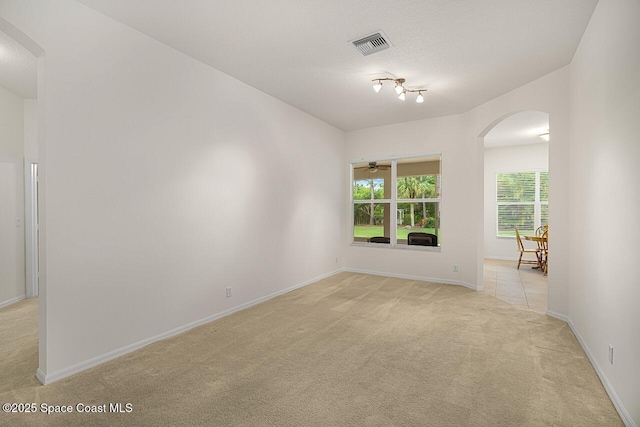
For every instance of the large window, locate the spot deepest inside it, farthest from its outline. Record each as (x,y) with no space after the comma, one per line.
(522,201)
(397,201)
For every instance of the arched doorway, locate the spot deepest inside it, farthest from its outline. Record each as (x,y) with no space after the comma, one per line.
(516,190)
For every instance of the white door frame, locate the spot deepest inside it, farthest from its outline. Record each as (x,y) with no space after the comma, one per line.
(31,226)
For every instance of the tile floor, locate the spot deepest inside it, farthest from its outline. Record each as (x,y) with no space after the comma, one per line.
(526,287)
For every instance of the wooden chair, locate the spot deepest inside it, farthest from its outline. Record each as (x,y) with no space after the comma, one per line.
(544,252)
(541,230)
(523,251)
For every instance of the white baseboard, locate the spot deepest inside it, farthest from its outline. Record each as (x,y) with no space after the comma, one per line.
(98,360)
(420,278)
(502,258)
(558,316)
(40,376)
(622,411)
(12,301)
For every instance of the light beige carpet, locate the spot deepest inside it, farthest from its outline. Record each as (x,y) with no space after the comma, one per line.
(351,350)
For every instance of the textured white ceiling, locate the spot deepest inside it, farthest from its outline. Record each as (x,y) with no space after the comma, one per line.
(18,68)
(518,129)
(466,52)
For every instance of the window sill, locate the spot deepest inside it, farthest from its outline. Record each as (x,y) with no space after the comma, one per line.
(400,247)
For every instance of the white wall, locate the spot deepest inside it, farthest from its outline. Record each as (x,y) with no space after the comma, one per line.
(11,198)
(531,157)
(605,180)
(166,182)
(31,130)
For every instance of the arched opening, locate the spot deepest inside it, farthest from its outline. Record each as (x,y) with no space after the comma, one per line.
(23,71)
(516,209)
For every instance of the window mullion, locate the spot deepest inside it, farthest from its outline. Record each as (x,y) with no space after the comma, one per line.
(351,197)
(393,227)
(537,214)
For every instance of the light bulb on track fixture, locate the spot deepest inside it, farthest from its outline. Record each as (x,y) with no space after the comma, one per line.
(399,88)
(420,98)
(377,86)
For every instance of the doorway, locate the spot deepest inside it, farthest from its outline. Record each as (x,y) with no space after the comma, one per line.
(23,78)
(516,189)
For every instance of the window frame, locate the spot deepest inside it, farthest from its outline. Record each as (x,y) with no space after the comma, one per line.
(537,202)
(393,201)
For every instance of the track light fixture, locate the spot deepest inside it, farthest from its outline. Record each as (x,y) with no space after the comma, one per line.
(400,89)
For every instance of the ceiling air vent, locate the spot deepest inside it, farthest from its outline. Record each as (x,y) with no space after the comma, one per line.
(372,43)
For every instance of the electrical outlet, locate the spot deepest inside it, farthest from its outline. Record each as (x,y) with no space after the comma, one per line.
(229,292)
(336,260)
(610,354)
(455,268)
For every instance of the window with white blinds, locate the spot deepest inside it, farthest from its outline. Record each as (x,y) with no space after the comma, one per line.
(522,201)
